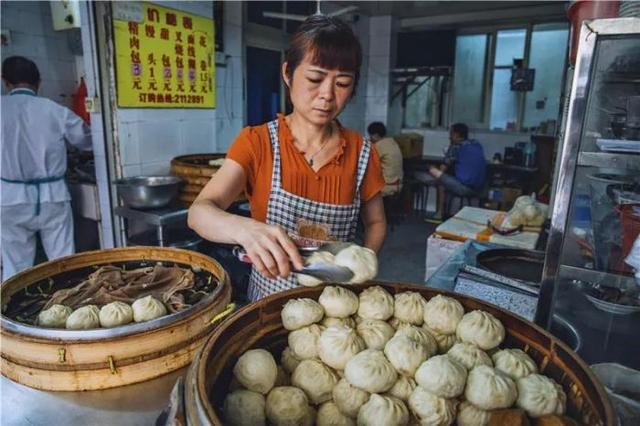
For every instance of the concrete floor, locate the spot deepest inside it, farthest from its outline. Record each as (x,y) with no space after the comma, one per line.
(402,258)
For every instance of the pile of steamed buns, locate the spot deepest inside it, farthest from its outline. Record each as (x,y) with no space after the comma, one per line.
(376,359)
(113,314)
(360,260)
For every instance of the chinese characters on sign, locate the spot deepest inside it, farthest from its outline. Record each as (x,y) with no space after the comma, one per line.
(165,60)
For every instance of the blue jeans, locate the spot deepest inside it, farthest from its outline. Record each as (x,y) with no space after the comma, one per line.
(454,186)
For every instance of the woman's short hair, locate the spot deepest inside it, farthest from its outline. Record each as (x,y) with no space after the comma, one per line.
(18,69)
(330,41)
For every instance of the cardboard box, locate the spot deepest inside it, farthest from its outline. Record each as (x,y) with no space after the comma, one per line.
(410,144)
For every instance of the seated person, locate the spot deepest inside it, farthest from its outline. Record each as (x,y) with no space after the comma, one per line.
(466,156)
(390,158)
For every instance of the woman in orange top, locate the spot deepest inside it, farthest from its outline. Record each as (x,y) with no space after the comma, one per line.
(300,170)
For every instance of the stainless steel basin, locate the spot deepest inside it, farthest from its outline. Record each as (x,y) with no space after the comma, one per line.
(148,192)
(563,330)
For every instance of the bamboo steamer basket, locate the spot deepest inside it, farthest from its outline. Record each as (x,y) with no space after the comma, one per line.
(260,325)
(77,360)
(196,171)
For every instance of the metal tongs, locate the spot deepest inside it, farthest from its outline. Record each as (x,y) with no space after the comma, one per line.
(326,272)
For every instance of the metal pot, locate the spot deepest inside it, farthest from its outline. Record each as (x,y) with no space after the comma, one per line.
(148,192)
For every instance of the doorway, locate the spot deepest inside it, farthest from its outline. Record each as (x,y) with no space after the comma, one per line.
(263,85)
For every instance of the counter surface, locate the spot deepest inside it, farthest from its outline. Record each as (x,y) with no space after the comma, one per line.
(138,404)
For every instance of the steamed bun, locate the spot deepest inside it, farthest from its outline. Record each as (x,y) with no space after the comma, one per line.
(376,333)
(470,415)
(469,355)
(315,379)
(84,318)
(482,329)
(370,371)
(444,341)
(244,408)
(421,336)
(409,307)
(349,398)
(539,395)
(432,409)
(442,314)
(256,370)
(115,314)
(298,313)
(361,260)
(489,389)
(288,405)
(405,354)
(375,303)
(338,302)
(403,388)
(288,360)
(442,376)
(383,411)
(147,308)
(319,256)
(54,317)
(331,321)
(515,363)
(337,345)
(304,342)
(330,415)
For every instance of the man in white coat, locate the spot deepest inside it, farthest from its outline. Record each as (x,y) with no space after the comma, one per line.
(34,194)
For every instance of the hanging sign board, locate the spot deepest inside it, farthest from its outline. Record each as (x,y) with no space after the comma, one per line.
(164,57)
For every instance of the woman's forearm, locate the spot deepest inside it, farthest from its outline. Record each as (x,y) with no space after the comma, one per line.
(214,224)
(374,234)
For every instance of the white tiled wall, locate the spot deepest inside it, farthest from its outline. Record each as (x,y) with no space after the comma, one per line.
(31,35)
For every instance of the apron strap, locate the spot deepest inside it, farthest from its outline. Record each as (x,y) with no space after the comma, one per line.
(36,183)
(363,162)
(276,173)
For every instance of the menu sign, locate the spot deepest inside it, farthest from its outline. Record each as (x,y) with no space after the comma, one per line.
(164,58)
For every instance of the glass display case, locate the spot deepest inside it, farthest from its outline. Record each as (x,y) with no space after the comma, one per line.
(596,214)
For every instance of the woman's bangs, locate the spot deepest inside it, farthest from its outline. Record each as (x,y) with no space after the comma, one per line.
(332,53)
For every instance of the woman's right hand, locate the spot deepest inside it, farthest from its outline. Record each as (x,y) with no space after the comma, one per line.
(270,249)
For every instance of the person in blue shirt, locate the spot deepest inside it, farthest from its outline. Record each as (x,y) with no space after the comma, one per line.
(463,171)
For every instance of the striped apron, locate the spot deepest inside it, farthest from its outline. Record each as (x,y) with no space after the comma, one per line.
(286,209)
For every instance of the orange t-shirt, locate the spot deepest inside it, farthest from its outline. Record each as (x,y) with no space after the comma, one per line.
(334,183)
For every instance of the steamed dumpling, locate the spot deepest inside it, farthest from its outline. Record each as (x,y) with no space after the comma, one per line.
(444,341)
(432,409)
(515,363)
(304,342)
(375,303)
(469,355)
(383,411)
(370,371)
(403,388)
(409,307)
(288,405)
(376,333)
(442,376)
(288,360)
(148,308)
(315,379)
(84,318)
(470,415)
(256,370)
(482,329)
(54,317)
(442,314)
(349,398)
(489,389)
(337,345)
(298,313)
(396,323)
(330,415)
(405,354)
(319,256)
(361,260)
(115,314)
(421,336)
(539,395)
(338,302)
(331,321)
(244,408)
